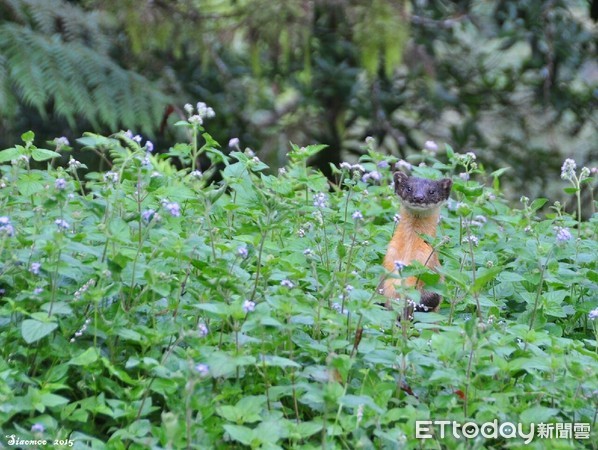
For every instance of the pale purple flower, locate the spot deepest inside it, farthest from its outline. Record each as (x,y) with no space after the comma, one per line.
(38,290)
(345,166)
(196,174)
(374,175)
(320,200)
(129,134)
(308,252)
(242,251)
(234,143)
(399,265)
(357,215)
(20,159)
(79,292)
(204,111)
(202,369)
(287,283)
(202,329)
(568,169)
(172,207)
(248,306)
(62,224)
(74,164)
(473,239)
(149,146)
(195,120)
(189,108)
(60,184)
(137,138)
(360,413)
(431,146)
(339,309)
(34,269)
(382,165)
(358,167)
(6,227)
(593,314)
(61,142)
(111,177)
(147,215)
(38,428)
(562,234)
(464,176)
(402,164)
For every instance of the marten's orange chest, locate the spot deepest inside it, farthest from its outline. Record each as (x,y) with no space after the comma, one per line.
(421,200)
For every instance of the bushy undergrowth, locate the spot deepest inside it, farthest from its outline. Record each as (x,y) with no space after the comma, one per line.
(147,308)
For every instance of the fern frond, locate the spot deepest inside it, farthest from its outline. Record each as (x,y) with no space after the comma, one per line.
(8,100)
(78,81)
(54,56)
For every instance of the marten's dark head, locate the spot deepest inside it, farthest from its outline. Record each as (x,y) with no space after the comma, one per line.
(421,195)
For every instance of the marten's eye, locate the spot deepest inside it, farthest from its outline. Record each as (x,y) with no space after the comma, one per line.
(408,188)
(432,191)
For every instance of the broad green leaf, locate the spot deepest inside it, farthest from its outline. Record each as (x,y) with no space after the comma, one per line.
(34,330)
(278,361)
(355,401)
(85,358)
(450,153)
(220,309)
(130,335)
(49,400)
(224,365)
(28,136)
(119,229)
(9,154)
(41,154)
(499,172)
(485,276)
(538,414)
(244,435)
(307,429)
(30,184)
(538,203)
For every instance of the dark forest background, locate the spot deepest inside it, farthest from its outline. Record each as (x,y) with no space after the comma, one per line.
(515,81)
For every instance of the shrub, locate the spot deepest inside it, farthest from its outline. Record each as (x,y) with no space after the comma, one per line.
(146,307)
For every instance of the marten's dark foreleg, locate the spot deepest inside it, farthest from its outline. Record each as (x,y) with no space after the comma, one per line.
(429,301)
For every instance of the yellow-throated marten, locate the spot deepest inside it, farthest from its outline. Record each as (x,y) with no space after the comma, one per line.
(421,200)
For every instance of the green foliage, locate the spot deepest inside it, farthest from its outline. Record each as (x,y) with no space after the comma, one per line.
(56,58)
(145,308)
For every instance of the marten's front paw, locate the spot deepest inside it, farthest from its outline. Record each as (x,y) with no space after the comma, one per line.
(429,301)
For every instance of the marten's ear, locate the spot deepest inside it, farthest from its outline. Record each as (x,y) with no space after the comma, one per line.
(445,185)
(400,179)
